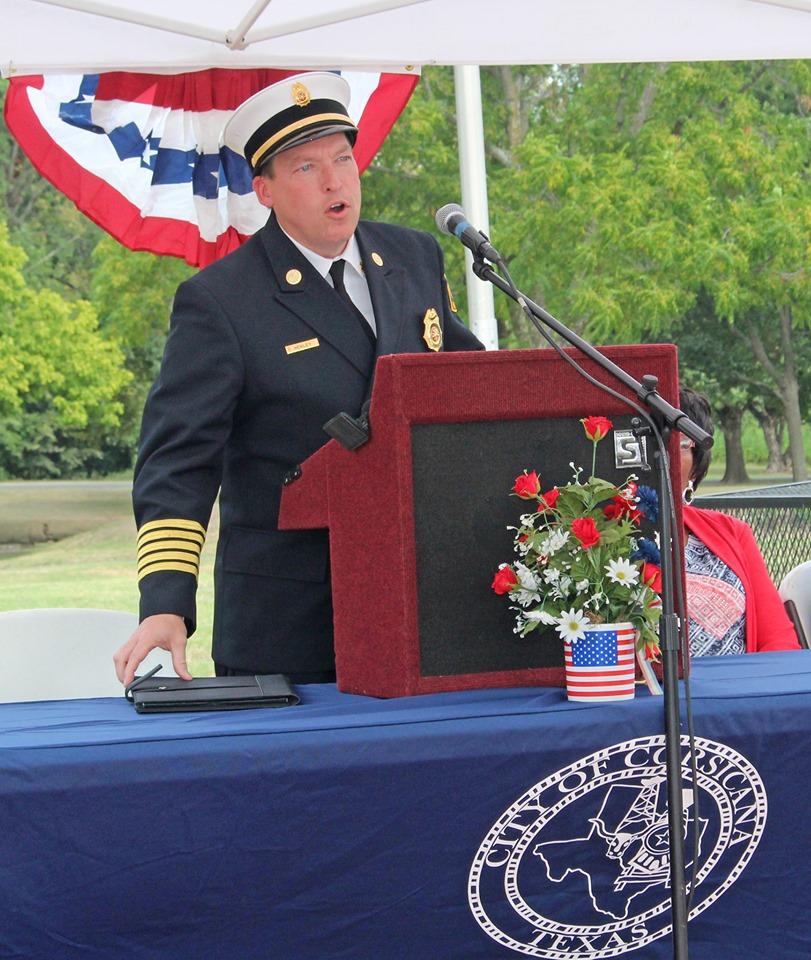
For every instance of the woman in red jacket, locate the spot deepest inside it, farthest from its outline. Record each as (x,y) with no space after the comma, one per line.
(732,604)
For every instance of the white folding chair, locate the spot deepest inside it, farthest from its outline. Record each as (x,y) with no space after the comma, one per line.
(66,654)
(795,592)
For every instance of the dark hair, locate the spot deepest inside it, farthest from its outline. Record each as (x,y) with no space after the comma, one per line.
(265,169)
(697,408)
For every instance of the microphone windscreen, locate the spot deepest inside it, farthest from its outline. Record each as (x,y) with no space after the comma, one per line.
(444,215)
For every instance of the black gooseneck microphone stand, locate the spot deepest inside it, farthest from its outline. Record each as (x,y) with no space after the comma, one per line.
(665,418)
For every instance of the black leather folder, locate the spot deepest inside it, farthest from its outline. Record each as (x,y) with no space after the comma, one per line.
(151,694)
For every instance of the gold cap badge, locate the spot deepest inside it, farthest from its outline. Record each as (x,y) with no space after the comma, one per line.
(301,95)
(293,276)
(377,259)
(432,334)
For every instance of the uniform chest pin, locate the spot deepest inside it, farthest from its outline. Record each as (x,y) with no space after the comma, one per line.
(432,330)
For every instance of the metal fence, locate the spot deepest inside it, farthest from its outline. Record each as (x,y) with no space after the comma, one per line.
(780,517)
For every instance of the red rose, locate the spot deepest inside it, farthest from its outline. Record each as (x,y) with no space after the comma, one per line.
(652,575)
(585,529)
(596,427)
(548,499)
(527,485)
(613,510)
(504,580)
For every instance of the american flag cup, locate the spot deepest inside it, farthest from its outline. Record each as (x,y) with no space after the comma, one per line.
(601,665)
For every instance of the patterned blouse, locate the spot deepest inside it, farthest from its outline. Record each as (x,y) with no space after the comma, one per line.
(716,603)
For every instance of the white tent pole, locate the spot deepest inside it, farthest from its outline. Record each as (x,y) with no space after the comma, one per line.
(236,38)
(327,19)
(138,17)
(473,176)
(239,38)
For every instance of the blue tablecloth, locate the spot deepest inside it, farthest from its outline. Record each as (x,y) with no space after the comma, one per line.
(484,824)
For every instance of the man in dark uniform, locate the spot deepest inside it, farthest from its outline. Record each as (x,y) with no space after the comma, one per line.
(265,346)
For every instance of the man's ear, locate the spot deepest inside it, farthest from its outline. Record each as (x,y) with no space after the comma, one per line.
(263,191)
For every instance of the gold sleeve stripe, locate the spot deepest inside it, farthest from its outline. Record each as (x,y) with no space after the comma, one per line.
(172,524)
(190,556)
(172,545)
(184,555)
(189,540)
(174,567)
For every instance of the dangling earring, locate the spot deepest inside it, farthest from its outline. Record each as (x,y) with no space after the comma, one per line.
(689,492)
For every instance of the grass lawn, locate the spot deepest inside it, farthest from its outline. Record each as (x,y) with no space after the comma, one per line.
(93,565)
(758,477)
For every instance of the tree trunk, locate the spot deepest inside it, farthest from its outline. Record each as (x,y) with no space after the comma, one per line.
(735,471)
(772,426)
(517,119)
(786,380)
(790,389)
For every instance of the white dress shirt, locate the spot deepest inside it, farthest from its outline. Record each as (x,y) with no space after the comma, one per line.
(354,277)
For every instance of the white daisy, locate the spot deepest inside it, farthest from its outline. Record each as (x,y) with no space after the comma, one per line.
(622,571)
(571,625)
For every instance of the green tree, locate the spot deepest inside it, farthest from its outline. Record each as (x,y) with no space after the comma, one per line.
(132,294)
(56,237)
(59,394)
(642,185)
(758,162)
(720,365)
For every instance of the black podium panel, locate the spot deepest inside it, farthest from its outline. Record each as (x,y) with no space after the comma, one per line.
(463,474)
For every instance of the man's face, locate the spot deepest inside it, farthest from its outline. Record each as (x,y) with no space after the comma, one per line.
(314,190)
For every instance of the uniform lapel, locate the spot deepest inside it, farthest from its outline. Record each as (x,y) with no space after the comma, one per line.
(306,294)
(386,279)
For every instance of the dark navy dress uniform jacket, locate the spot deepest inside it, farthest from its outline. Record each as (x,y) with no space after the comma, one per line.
(233,410)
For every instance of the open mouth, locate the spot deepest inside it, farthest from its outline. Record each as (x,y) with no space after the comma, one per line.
(337,207)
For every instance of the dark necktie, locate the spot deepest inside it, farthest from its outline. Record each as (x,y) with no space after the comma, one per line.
(336,271)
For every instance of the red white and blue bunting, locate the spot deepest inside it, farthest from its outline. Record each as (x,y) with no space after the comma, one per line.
(140,154)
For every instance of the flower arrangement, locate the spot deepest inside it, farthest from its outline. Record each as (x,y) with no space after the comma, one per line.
(582,558)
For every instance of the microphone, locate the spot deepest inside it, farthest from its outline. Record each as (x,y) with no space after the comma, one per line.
(451,219)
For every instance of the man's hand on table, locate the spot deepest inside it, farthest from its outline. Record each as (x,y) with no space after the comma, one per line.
(164,630)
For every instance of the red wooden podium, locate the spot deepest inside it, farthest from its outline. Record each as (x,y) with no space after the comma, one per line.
(418,516)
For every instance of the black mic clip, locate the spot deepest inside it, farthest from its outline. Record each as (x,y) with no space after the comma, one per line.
(351,432)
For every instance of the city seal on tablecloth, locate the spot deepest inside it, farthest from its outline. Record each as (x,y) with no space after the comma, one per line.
(578,867)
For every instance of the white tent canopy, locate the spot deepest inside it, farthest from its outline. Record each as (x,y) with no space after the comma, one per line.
(172,36)
(155,35)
